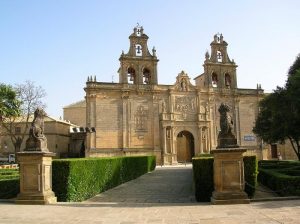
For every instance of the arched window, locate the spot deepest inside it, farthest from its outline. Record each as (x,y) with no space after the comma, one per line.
(214,80)
(131,75)
(227,80)
(146,76)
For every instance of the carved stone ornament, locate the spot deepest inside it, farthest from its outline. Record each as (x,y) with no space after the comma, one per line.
(141,117)
(226,139)
(185,105)
(37,140)
(183,82)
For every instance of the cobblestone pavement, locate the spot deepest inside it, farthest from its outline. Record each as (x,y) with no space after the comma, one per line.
(152,199)
(173,184)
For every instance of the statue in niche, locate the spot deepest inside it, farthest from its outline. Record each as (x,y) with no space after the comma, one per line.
(37,140)
(164,107)
(226,139)
(183,85)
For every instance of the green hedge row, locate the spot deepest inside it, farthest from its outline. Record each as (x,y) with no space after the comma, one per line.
(251,172)
(204,182)
(80,179)
(203,177)
(9,188)
(9,174)
(283,177)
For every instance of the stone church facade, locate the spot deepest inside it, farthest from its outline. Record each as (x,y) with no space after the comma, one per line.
(138,116)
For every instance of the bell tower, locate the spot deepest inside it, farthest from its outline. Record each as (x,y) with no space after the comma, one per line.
(220,71)
(138,66)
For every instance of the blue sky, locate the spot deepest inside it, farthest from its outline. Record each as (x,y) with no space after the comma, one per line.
(57,44)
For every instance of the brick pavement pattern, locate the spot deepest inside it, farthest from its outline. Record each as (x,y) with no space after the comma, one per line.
(157,197)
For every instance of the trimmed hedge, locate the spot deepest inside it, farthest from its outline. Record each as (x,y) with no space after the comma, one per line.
(6,174)
(283,177)
(80,179)
(251,172)
(203,177)
(204,182)
(9,188)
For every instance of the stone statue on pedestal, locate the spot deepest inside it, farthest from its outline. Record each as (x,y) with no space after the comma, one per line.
(37,140)
(36,166)
(226,139)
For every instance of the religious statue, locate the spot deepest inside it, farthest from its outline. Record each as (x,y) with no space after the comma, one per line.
(37,140)
(226,139)
(164,107)
(183,85)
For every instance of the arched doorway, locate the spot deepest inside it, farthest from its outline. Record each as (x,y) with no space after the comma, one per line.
(185,146)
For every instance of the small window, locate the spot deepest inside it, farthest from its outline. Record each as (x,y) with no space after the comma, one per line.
(17,130)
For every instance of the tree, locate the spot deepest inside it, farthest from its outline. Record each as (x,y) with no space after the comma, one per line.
(30,97)
(9,104)
(279,116)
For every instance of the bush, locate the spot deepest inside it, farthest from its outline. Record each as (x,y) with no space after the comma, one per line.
(203,177)
(251,171)
(9,188)
(79,179)
(6,174)
(283,177)
(204,182)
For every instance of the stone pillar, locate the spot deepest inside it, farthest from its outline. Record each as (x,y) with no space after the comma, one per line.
(200,141)
(229,176)
(35,178)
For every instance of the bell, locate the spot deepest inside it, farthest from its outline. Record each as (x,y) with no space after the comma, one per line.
(131,78)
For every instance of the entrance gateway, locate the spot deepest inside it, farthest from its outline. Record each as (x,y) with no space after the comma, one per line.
(185,147)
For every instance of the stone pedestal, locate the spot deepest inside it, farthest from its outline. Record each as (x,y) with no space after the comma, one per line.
(35,178)
(229,176)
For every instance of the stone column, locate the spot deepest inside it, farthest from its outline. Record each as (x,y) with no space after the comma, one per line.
(229,176)
(200,140)
(164,141)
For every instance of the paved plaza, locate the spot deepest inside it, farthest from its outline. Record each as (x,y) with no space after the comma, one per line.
(163,196)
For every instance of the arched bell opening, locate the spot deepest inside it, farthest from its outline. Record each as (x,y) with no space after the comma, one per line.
(146,76)
(131,75)
(227,80)
(214,80)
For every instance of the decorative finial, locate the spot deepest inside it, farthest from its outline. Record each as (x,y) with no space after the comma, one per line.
(95,79)
(154,51)
(88,79)
(206,55)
